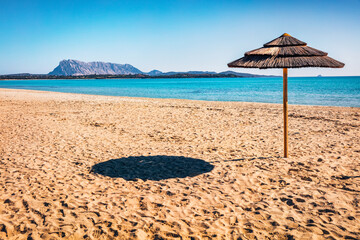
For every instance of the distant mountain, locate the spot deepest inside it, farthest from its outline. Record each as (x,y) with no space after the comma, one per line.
(21,75)
(157,73)
(243,74)
(76,68)
(154,73)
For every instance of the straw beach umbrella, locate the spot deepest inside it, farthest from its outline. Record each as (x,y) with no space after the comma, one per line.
(285,52)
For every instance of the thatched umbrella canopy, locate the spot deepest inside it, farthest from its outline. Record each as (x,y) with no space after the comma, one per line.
(285,52)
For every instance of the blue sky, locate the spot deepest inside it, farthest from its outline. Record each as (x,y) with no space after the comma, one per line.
(172,35)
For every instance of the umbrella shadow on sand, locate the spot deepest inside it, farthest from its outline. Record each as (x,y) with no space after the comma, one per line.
(152,167)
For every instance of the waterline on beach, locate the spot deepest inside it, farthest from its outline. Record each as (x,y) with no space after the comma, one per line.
(324,91)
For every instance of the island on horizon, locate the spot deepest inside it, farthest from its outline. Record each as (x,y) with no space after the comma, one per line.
(75,69)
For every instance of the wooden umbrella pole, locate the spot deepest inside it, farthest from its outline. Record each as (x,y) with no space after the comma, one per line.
(285,106)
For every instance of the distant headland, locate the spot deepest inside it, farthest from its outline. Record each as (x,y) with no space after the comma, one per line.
(74,69)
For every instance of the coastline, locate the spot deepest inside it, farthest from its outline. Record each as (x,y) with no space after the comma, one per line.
(53,147)
(129,76)
(336,91)
(108,97)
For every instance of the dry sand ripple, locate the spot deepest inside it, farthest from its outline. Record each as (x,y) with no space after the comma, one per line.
(96,167)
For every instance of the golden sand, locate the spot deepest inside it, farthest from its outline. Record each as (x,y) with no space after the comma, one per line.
(80,166)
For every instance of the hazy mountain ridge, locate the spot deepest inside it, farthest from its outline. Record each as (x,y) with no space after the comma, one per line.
(74,68)
(78,68)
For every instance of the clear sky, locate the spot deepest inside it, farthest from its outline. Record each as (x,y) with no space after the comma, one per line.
(172,35)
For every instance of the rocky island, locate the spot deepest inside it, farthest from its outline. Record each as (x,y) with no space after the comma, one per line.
(75,69)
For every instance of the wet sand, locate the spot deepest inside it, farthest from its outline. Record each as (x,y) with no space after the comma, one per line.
(96,167)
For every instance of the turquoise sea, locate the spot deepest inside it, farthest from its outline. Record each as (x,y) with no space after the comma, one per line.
(325,91)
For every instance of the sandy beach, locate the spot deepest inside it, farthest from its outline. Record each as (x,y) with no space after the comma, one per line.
(97,167)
